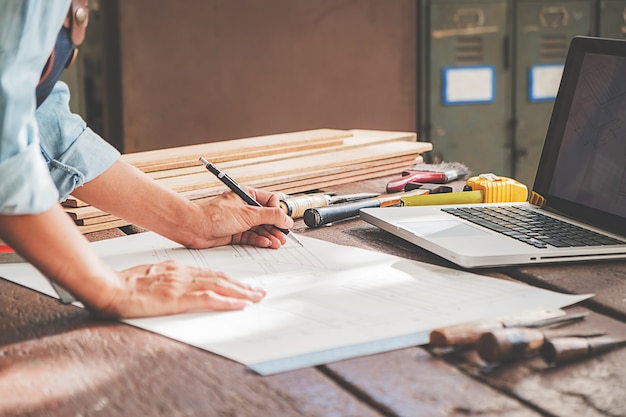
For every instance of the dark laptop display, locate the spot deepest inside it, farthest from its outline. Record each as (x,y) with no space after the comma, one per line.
(583,175)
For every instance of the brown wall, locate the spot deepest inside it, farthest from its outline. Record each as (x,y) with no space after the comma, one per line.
(207,70)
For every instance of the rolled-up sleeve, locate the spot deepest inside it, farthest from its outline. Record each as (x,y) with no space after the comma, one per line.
(27,187)
(28,31)
(75,154)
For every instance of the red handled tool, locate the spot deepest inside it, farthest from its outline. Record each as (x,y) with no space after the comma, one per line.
(428,173)
(8,254)
(6,249)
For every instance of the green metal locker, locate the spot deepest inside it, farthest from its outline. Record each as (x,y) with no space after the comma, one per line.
(612,19)
(464,82)
(542,32)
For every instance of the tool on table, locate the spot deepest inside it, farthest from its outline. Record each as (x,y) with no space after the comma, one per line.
(316,217)
(8,254)
(295,206)
(497,188)
(560,350)
(236,188)
(432,188)
(468,334)
(431,173)
(508,344)
(485,188)
(503,345)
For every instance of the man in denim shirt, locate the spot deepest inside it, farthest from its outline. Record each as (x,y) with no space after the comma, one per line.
(46,153)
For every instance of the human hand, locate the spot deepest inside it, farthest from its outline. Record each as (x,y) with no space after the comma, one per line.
(147,290)
(227,219)
(170,287)
(217,221)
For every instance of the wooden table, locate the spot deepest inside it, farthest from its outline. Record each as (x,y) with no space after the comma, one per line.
(56,360)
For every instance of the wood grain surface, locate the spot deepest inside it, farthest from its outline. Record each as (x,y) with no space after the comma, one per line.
(57,360)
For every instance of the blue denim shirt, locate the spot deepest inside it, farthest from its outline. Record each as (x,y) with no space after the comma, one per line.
(45,152)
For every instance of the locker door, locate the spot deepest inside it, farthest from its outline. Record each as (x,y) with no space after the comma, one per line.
(467,87)
(612,19)
(543,31)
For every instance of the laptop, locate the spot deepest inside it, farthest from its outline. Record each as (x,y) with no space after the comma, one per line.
(580,181)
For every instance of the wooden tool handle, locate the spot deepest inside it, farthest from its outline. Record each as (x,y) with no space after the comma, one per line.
(462,335)
(565,349)
(509,344)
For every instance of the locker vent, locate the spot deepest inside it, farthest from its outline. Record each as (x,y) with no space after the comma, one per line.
(553,47)
(469,50)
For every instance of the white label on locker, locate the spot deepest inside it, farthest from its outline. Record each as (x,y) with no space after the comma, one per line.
(473,84)
(543,81)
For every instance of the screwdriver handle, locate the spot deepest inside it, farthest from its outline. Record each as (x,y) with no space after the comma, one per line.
(463,334)
(316,217)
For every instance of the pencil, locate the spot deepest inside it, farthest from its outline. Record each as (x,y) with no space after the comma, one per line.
(236,188)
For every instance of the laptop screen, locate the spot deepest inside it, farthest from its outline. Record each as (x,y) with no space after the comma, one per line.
(582,172)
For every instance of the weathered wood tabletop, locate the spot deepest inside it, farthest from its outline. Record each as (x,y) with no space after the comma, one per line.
(57,360)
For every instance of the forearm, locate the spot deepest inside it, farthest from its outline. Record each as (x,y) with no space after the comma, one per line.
(53,245)
(126,192)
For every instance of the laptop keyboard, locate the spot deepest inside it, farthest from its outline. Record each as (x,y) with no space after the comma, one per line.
(531,227)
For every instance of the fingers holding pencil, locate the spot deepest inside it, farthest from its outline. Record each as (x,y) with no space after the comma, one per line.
(249,199)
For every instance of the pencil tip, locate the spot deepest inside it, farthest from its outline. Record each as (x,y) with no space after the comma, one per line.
(295,239)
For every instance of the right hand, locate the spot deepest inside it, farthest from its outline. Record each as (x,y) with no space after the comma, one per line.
(170,287)
(227,219)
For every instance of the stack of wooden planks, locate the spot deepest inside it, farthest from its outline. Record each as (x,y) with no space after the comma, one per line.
(289,162)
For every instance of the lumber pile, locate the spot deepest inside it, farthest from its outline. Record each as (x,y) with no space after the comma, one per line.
(289,162)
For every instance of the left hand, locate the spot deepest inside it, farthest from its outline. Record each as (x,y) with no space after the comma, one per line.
(170,288)
(228,219)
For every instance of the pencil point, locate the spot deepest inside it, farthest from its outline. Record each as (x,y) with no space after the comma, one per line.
(295,239)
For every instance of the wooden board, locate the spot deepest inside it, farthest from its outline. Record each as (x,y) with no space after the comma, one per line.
(358,139)
(103,221)
(307,165)
(286,183)
(229,150)
(310,160)
(185,162)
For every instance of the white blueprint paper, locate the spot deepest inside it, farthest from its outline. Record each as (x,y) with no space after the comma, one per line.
(325,302)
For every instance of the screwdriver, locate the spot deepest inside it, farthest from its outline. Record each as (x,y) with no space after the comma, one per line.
(468,334)
(295,206)
(504,345)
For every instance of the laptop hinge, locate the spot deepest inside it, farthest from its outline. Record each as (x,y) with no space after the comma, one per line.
(537,199)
